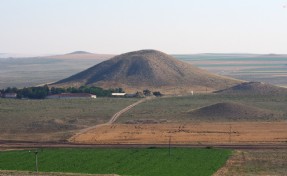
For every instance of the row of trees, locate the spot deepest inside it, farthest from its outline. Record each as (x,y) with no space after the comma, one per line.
(42,92)
(29,92)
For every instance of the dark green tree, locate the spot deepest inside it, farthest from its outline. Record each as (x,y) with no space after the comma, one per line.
(147,92)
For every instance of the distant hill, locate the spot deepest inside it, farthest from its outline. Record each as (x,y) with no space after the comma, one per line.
(149,69)
(273,55)
(254,88)
(81,55)
(234,111)
(80,52)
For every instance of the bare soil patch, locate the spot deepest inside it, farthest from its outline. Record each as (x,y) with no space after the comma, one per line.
(186,133)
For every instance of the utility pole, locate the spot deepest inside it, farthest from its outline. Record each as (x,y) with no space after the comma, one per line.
(169,143)
(229,133)
(36,159)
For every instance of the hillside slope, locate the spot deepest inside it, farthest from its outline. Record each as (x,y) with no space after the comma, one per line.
(149,69)
(254,88)
(234,111)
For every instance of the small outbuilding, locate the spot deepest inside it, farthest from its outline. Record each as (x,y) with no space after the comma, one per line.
(118,94)
(10,95)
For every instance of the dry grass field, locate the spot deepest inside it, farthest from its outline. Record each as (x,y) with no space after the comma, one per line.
(177,109)
(255,162)
(57,120)
(187,133)
(53,120)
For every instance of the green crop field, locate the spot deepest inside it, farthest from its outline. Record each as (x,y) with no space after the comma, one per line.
(140,162)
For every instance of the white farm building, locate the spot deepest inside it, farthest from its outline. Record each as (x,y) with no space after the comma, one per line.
(71,95)
(118,94)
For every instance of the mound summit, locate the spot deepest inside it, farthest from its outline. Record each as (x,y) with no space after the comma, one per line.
(234,111)
(148,69)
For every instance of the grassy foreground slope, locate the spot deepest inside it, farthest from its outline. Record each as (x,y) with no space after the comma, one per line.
(140,162)
(48,120)
(177,109)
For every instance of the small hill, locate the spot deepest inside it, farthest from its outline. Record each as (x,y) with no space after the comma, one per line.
(81,55)
(254,88)
(150,69)
(274,55)
(80,52)
(234,111)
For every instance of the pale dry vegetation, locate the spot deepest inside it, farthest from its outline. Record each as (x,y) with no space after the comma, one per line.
(54,120)
(187,133)
(178,109)
(255,162)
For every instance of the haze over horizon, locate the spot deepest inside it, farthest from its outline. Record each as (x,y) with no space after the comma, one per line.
(115,27)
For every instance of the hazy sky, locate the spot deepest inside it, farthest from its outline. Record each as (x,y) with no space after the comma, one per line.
(117,26)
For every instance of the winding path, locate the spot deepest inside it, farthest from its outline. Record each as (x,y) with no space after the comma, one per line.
(118,114)
(111,121)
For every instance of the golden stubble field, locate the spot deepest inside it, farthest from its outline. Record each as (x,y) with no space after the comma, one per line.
(186,133)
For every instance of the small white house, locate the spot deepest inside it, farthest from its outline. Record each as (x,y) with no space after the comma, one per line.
(71,95)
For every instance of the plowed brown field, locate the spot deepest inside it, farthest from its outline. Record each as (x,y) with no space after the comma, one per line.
(185,133)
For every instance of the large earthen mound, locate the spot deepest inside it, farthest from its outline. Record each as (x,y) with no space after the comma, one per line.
(149,69)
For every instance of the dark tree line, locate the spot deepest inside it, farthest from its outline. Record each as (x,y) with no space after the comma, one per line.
(28,92)
(43,91)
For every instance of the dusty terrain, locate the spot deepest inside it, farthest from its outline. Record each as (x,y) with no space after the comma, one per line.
(186,133)
(255,162)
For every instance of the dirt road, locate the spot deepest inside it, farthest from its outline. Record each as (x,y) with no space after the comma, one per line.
(111,121)
(118,114)
(9,145)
